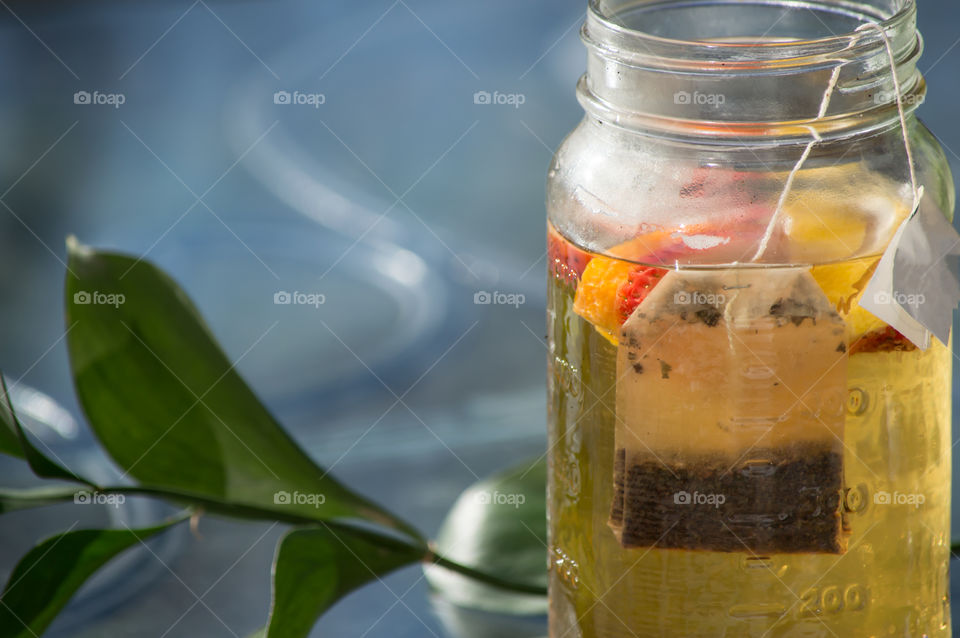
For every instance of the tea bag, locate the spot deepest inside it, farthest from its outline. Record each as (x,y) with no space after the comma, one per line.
(730,405)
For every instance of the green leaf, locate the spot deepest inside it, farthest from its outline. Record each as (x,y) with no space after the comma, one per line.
(169,407)
(498,526)
(14,441)
(9,439)
(51,573)
(316,567)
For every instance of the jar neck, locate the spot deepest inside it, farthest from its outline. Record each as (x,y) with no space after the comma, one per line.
(754,72)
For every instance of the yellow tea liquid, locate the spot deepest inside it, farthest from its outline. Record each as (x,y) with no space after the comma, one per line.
(891,580)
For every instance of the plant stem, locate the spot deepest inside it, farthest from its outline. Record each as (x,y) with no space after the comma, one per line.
(483,577)
(387,541)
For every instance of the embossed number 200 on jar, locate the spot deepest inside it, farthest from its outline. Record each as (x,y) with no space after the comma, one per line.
(738,446)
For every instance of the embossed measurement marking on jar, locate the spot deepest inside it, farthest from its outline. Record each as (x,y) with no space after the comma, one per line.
(855,498)
(568,470)
(716,313)
(832,599)
(762,565)
(757,610)
(857,402)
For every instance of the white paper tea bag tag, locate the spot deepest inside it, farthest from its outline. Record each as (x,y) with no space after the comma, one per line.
(915,286)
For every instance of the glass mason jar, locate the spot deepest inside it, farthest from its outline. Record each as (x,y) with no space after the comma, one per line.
(737,447)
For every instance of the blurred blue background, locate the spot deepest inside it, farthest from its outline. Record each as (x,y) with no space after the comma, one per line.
(332,148)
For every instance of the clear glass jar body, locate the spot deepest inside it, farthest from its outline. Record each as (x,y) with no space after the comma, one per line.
(712,416)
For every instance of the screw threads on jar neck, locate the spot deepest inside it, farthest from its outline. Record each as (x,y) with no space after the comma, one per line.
(697,70)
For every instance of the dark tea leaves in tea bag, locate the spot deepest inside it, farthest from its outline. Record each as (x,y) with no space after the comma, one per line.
(730,397)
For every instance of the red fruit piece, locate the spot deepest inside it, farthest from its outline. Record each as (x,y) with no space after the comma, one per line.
(883,340)
(635,289)
(563,258)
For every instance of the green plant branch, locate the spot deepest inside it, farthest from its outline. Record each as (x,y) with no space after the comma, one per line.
(483,577)
(429,556)
(384,540)
(142,360)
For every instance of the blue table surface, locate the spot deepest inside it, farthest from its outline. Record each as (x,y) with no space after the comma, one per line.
(398,198)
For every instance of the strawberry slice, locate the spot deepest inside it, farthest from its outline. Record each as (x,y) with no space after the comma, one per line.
(885,339)
(640,281)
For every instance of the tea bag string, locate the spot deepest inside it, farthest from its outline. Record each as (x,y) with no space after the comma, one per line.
(917,191)
(824,105)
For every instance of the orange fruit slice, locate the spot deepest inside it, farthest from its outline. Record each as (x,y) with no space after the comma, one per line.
(596,299)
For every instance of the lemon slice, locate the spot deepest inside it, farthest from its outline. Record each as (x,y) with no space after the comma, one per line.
(820,228)
(843,284)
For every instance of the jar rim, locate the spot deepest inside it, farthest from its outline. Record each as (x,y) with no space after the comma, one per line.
(613,34)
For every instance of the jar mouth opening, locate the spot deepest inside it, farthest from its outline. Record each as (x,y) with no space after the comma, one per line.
(796,29)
